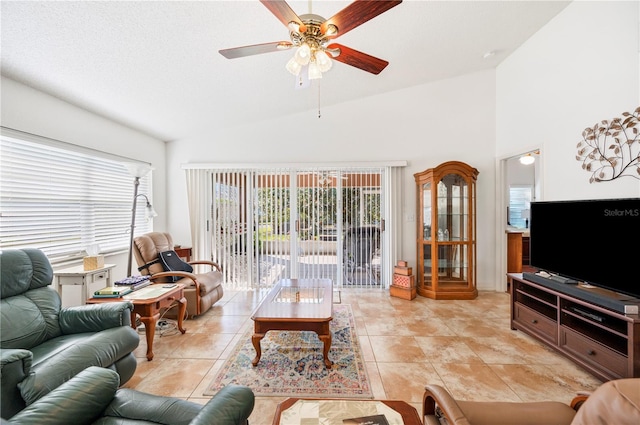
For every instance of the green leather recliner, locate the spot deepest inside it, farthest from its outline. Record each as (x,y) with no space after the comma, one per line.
(43,345)
(93,397)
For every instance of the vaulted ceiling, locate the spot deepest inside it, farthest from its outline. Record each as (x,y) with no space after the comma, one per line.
(155,66)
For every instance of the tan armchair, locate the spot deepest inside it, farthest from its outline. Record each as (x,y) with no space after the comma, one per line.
(614,402)
(202,288)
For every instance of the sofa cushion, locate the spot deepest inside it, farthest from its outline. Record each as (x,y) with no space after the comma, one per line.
(208,281)
(22,270)
(129,405)
(510,413)
(614,402)
(31,318)
(63,406)
(59,359)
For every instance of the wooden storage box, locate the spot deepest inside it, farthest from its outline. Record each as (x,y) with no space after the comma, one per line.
(403,281)
(401,292)
(402,270)
(93,262)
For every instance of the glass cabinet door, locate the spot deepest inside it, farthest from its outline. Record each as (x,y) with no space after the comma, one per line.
(426,211)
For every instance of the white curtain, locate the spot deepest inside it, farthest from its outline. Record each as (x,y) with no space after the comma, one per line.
(198,190)
(392,235)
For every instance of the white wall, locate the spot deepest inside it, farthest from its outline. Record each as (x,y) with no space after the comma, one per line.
(425,125)
(29,110)
(579,69)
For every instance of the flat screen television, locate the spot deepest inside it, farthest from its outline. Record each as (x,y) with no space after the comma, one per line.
(591,241)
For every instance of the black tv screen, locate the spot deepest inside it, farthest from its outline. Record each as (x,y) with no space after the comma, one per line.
(591,241)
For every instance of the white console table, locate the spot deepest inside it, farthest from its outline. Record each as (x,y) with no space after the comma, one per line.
(76,285)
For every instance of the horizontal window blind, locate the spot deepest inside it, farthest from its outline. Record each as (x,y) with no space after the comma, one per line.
(62,200)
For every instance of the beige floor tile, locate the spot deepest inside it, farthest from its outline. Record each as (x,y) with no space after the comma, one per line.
(388,326)
(264,410)
(234,309)
(422,325)
(361,326)
(406,381)
(511,349)
(202,346)
(538,382)
(175,377)
(480,328)
(207,379)
(366,348)
(375,380)
(447,349)
(398,349)
(477,382)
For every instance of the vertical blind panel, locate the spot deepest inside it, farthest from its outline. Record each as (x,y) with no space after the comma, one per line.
(227,226)
(61,201)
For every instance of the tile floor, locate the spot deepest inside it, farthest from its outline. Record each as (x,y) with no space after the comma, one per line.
(466,346)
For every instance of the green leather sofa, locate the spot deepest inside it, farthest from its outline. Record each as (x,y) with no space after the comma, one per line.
(43,345)
(93,397)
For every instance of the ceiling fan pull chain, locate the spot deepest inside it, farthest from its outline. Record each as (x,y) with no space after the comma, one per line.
(319,99)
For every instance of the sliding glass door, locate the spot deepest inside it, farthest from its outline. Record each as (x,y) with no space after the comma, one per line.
(270,224)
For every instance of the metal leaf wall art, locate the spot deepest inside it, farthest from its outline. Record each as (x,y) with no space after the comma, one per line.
(611,149)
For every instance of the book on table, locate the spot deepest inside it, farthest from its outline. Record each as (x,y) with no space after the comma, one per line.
(112,291)
(134,282)
(367,420)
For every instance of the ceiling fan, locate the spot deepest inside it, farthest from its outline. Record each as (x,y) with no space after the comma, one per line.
(313,36)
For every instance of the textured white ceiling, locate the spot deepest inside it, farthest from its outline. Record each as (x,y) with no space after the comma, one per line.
(155,66)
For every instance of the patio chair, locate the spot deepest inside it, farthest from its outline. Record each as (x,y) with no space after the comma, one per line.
(362,253)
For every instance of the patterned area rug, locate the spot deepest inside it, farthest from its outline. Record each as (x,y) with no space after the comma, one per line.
(292,363)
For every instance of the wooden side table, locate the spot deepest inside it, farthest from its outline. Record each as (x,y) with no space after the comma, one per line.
(183,252)
(147,303)
(88,281)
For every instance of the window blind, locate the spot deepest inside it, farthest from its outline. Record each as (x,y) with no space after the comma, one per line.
(61,200)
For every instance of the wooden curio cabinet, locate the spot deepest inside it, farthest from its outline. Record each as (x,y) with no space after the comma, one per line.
(446,219)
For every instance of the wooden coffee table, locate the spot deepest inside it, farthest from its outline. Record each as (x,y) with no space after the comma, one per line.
(296,411)
(296,305)
(147,303)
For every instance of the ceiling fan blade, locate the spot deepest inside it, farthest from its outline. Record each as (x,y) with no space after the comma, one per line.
(283,12)
(255,49)
(358,59)
(356,14)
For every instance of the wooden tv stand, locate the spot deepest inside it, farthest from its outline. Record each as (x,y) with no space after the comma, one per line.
(602,341)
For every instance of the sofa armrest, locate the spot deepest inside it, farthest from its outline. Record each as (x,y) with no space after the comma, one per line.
(232,405)
(437,398)
(81,400)
(95,317)
(134,405)
(459,412)
(15,365)
(214,266)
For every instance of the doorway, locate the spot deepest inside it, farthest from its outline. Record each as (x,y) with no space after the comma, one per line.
(519,184)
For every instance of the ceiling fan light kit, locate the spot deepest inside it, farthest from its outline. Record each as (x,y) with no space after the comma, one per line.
(311,34)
